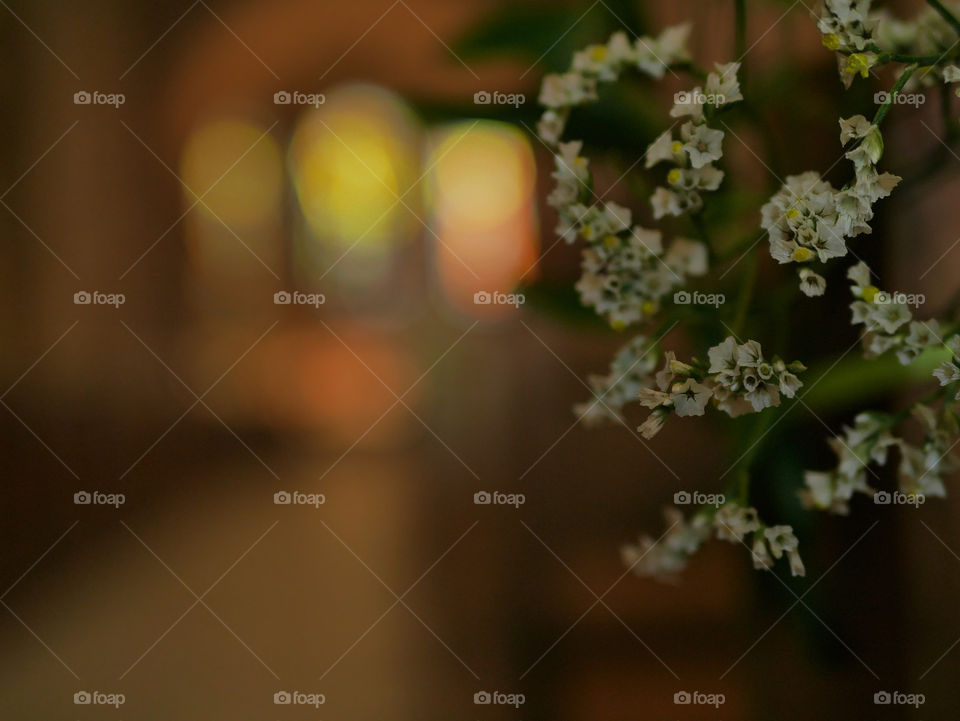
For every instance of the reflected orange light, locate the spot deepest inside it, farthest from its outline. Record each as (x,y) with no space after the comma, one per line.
(481,196)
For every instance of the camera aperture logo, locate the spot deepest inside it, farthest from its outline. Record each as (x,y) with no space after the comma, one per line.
(686,498)
(898,298)
(898,698)
(484,97)
(698,698)
(85,297)
(498,698)
(298,498)
(497,498)
(485,297)
(97,498)
(86,97)
(299,698)
(685,297)
(99,698)
(295,97)
(899,498)
(283,297)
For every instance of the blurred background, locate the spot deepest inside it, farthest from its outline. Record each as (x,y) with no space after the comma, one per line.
(398,398)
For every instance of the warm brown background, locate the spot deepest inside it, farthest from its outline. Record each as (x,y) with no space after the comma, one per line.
(485,614)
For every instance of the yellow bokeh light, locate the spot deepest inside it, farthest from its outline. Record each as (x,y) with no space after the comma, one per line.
(241,165)
(350,160)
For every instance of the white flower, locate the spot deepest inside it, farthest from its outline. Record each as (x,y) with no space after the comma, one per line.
(629,373)
(668,556)
(701,144)
(558,91)
(550,127)
(734,521)
(811,283)
(666,202)
(660,149)
(723,84)
(688,103)
(854,128)
(687,257)
(654,55)
(690,398)
(759,553)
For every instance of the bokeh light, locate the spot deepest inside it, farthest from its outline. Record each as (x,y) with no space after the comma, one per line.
(236,166)
(350,160)
(481,196)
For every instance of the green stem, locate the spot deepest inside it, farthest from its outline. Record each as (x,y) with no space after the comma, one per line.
(945,14)
(894,91)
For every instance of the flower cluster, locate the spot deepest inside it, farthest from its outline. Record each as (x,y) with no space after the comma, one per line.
(808,219)
(626,269)
(887,321)
(847,28)
(699,146)
(604,63)
(869,441)
(630,371)
(731,522)
(625,278)
(738,380)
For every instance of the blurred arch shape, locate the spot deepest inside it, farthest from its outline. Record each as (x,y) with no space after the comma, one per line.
(236,166)
(353,161)
(481,194)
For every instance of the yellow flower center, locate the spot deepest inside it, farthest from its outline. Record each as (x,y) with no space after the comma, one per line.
(598,53)
(870,292)
(676,147)
(611,241)
(618,325)
(793,213)
(858,63)
(674,176)
(802,255)
(831,41)
(648,308)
